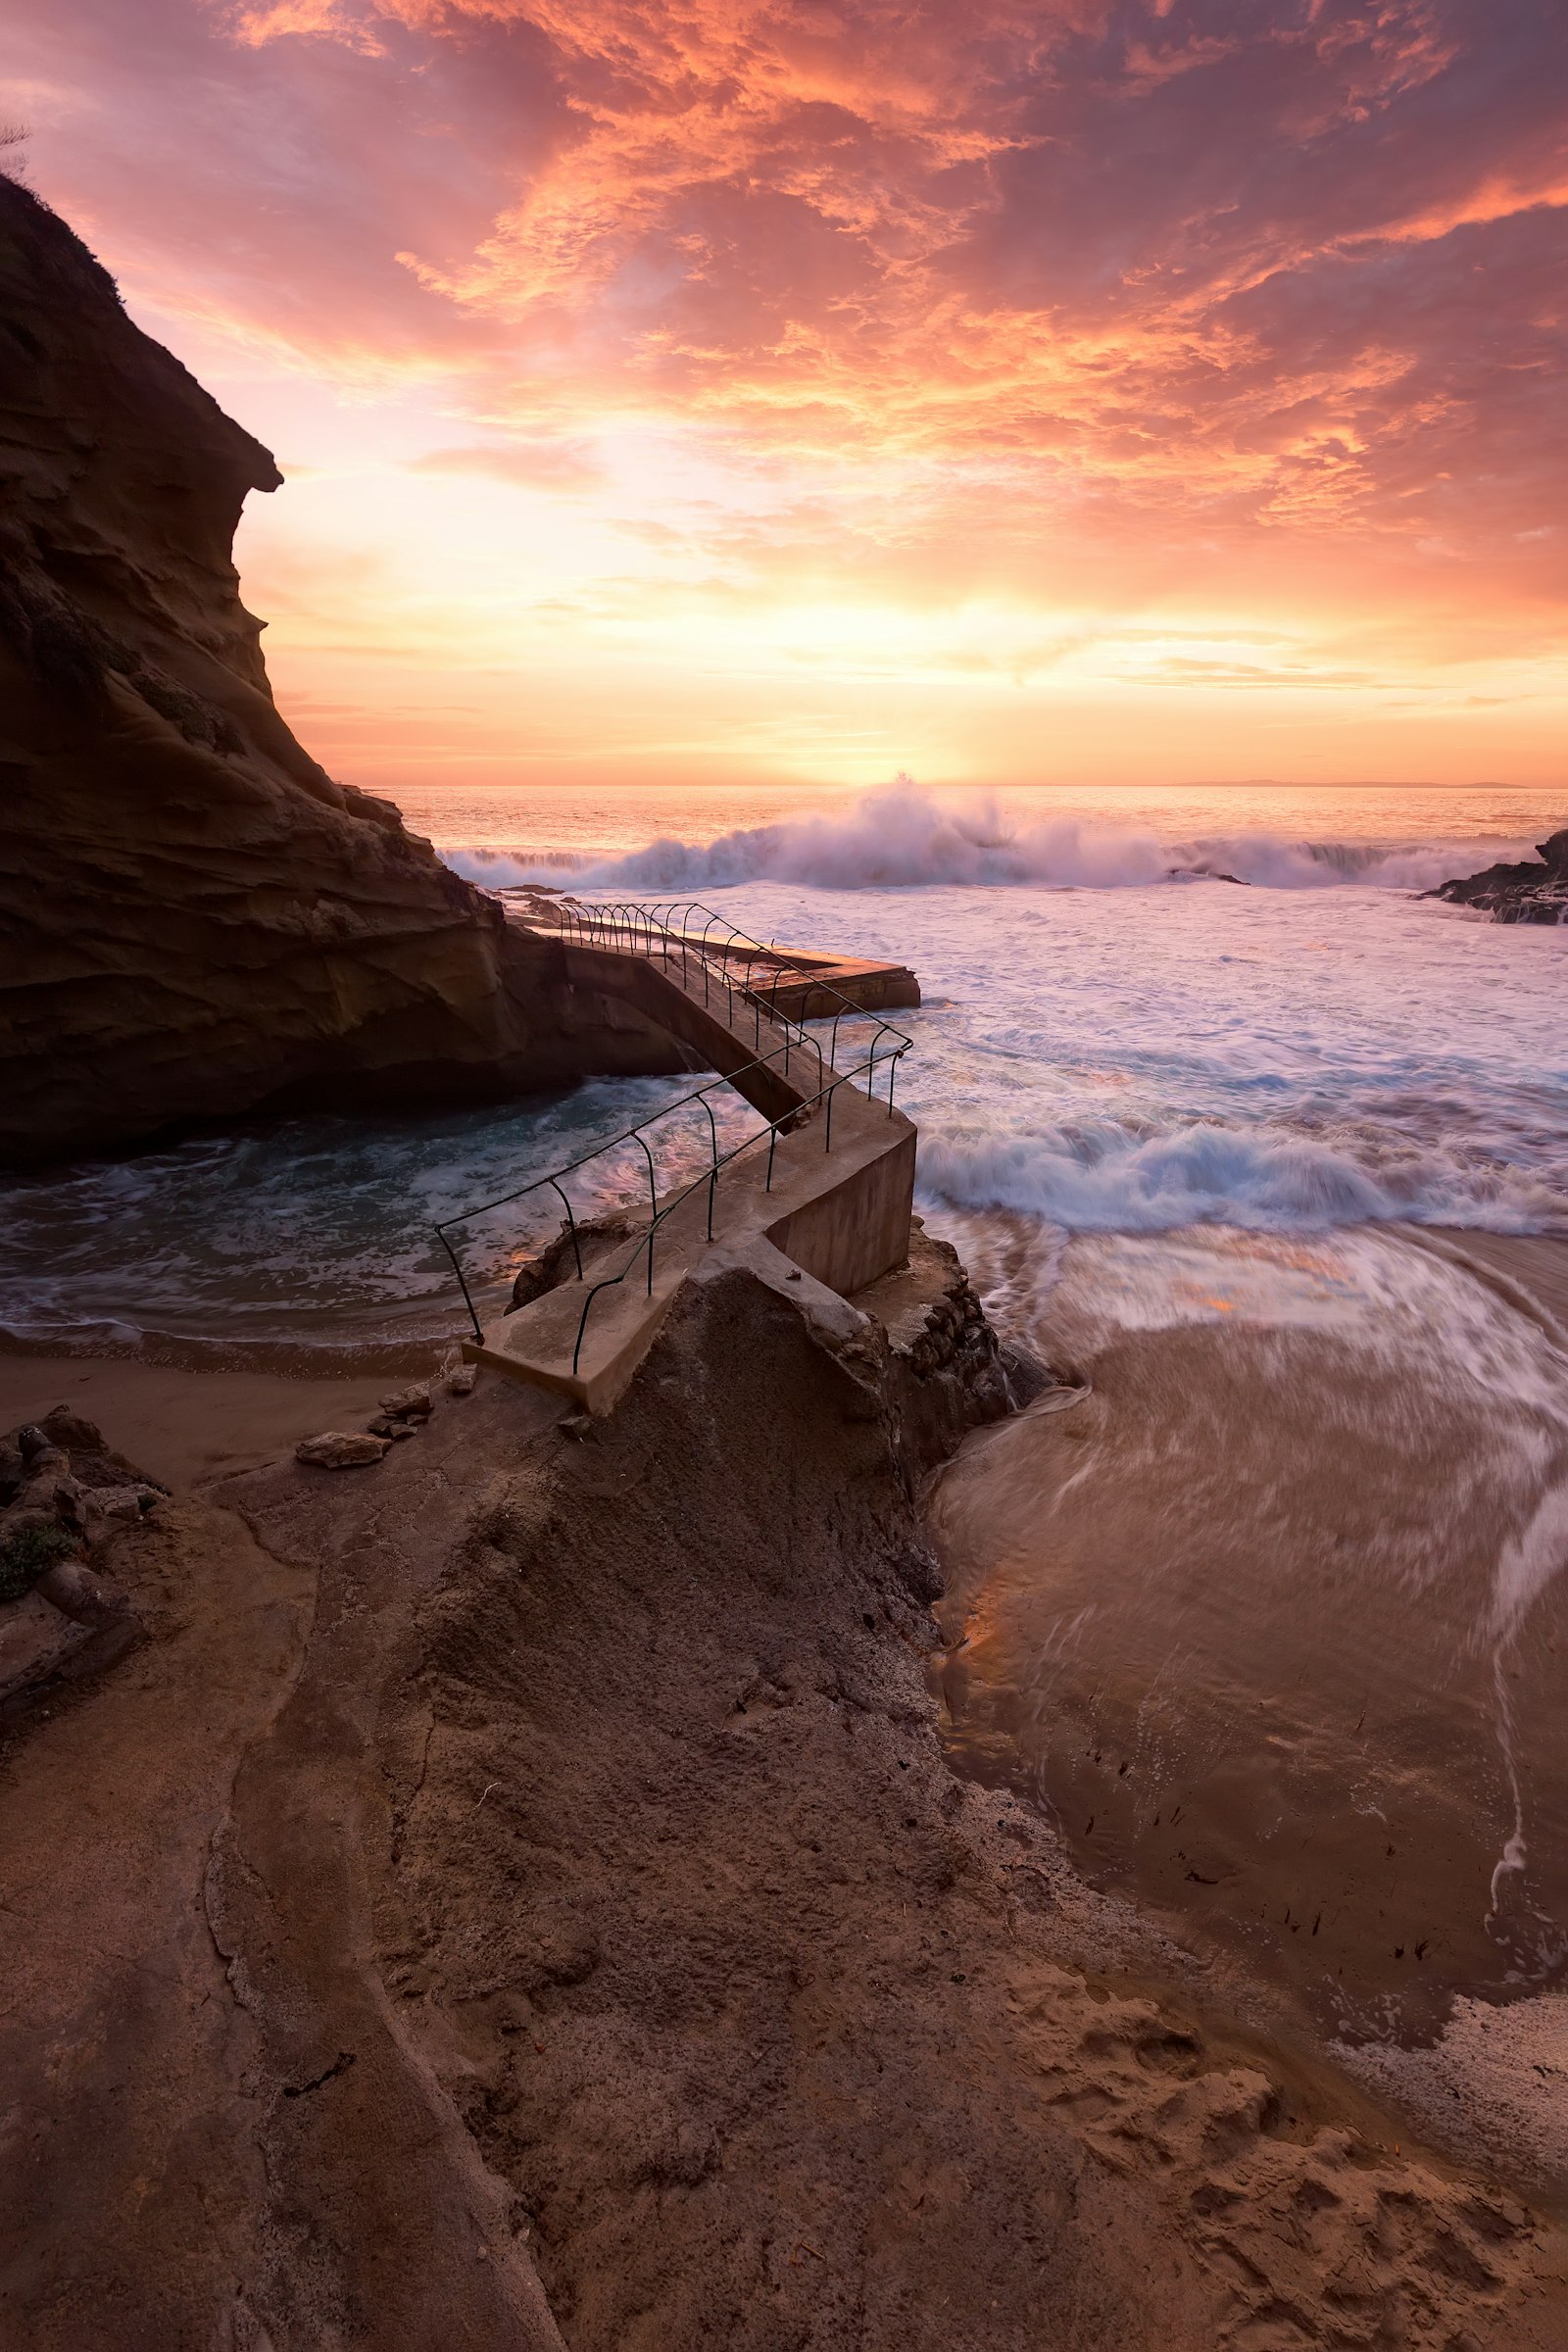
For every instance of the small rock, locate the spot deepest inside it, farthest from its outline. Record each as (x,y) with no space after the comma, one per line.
(416,1401)
(103,1508)
(43,1461)
(341,1450)
(382,1427)
(459,1381)
(76,1592)
(63,1427)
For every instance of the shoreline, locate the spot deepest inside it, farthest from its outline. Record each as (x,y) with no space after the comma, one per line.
(187,1427)
(1528,1271)
(573,1813)
(1230,1624)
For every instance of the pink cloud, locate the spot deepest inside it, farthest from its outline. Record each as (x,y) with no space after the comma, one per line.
(530,465)
(1261,298)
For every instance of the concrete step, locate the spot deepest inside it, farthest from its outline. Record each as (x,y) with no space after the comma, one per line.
(842,1215)
(539,1342)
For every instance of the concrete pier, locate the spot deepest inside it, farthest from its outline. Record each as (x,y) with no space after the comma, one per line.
(833,1194)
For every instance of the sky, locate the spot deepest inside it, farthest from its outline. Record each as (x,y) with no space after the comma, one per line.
(1114,391)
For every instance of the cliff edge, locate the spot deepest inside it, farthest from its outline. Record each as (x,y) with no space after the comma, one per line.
(197,919)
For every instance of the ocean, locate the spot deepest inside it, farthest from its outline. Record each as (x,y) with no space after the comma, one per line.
(1114,1039)
(1266,1155)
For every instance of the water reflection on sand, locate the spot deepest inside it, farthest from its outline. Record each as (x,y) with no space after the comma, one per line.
(1273,1621)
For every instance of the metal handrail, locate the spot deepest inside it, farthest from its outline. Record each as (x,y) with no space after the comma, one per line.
(643,922)
(617,914)
(710,1179)
(627,1135)
(640,924)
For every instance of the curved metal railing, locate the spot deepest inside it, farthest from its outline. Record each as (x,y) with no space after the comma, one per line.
(711,1178)
(634,929)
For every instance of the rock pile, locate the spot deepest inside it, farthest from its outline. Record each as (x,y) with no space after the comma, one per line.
(404,1412)
(63,1496)
(1523,893)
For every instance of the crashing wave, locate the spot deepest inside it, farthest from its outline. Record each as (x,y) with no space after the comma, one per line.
(903,837)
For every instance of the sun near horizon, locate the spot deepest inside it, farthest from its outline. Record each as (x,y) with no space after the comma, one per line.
(754,393)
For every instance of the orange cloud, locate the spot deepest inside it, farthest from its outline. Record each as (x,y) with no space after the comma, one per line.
(962,344)
(529,465)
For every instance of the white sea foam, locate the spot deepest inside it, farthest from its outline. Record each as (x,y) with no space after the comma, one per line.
(1097,1176)
(903,837)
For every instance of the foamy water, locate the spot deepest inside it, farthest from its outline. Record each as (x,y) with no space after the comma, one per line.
(1100,1048)
(1271,1623)
(1106,1047)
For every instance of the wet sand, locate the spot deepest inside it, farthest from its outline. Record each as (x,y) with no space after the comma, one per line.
(1270,1624)
(186,1428)
(567,1814)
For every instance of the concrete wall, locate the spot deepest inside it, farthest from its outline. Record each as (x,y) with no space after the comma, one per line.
(857,1227)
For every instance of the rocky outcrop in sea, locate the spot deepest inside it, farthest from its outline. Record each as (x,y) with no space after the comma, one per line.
(1525,892)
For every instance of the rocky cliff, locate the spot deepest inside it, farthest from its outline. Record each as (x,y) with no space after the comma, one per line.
(1525,892)
(196,920)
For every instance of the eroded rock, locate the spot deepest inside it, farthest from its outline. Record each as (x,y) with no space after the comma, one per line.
(412,1403)
(181,876)
(341,1450)
(1520,893)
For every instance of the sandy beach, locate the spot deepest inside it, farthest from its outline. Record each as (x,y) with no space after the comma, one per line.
(186,1428)
(574,1816)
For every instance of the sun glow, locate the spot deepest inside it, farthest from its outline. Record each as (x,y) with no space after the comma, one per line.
(1058,393)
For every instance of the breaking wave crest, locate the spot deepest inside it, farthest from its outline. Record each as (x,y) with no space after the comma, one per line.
(902,837)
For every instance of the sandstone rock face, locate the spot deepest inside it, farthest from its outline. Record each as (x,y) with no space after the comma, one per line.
(196,920)
(1525,892)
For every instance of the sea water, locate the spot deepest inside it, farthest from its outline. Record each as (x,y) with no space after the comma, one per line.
(1143,1010)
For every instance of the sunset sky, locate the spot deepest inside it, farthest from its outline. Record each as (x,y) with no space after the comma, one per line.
(1004,390)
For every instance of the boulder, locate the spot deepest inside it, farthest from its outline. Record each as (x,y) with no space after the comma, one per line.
(68,1430)
(341,1450)
(412,1403)
(75,1591)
